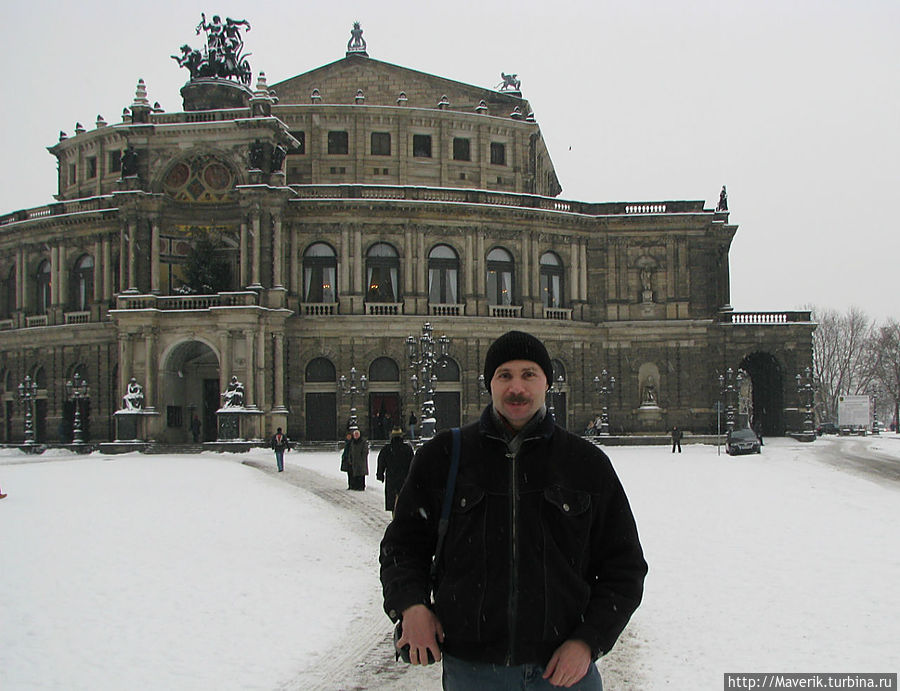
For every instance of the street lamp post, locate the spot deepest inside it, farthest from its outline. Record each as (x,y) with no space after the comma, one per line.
(77,390)
(553,395)
(604,386)
(729,386)
(351,388)
(27,394)
(425,354)
(805,393)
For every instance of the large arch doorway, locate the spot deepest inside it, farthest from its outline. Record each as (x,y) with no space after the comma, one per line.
(189,388)
(766,408)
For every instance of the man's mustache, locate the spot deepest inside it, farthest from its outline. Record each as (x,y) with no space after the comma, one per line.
(516,398)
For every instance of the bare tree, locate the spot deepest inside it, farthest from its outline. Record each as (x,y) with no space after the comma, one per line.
(887,362)
(842,357)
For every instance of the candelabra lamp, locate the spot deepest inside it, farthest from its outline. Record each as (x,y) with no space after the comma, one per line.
(604,386)
(77,390)
(27,394)
(353,387)
(426,353)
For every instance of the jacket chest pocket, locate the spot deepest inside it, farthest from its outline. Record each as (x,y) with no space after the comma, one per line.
(566,523)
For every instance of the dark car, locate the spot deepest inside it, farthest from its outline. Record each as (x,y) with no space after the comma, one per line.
(742,441)
(827,428)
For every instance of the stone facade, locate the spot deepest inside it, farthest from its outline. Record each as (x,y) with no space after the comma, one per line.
(348,206)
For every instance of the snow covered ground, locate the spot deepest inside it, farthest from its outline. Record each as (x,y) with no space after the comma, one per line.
(213,572)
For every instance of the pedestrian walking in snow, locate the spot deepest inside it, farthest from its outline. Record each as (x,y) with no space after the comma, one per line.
(358,460)
(411,423)
(279,443)
(393,467)
(541,566)
(676,439)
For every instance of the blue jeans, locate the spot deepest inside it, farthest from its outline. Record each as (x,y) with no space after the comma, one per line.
(279,459)
(459,675)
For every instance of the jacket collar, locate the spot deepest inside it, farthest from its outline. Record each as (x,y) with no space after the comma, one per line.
(541,425)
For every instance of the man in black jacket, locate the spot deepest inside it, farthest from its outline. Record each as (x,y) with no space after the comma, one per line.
(541,566)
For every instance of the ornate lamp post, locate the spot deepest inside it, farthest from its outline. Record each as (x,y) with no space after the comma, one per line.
(77,390)
(553,395)
(425,354)
(351,388)
(604,386)
(805,393)
(27,394)
(729,386)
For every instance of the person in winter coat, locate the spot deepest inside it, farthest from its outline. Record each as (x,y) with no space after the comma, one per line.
(279,444)
(358,458)
(541,566)
(676,439)
(393,466)
(345,460)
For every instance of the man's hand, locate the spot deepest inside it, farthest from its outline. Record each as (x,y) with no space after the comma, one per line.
(423,632)
(569,663)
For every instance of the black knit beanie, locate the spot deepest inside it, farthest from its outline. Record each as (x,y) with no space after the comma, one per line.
(516,345)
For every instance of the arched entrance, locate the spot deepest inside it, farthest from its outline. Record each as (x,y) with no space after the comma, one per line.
(189,388)
(767,405)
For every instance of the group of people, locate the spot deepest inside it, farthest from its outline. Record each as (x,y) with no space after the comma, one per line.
(512,556)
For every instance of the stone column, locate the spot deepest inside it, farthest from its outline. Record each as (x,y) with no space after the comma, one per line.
(154,257)
(257,242)
(132,258)
(242,259)
(278,363)
(21,284)
(277,255)
(106,262)
(226,365)
(150,340)
(97,288)
(250,377)
(259,384)
(295,281)
(54,275)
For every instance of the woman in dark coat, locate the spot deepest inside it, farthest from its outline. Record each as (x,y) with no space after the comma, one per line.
(358,455)
(393,466)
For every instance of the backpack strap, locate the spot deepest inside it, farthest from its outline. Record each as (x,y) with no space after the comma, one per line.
(448,499)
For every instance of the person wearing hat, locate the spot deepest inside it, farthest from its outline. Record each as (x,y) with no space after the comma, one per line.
(393,466)
(357,450)
(541,565)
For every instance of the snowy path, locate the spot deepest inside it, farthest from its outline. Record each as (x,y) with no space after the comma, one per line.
(366,662)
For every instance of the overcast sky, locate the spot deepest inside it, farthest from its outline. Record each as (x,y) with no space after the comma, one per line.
(794,105)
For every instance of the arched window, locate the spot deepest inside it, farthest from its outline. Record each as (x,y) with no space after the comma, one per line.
(384,369)
(82,283)
(447,370)
(8,299)
(443,275)
(500,277)
(320,274)
(321,369)
(42,284)
(382,273)
(551,280)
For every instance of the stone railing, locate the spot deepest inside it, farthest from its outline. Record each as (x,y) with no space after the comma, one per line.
(388,309)
(77,317)
(446,310)
(60,209)
(764,317)
(36,320)
(492,198)
(318,309)
(187,302)
(513,311)
(558,313)
(7,324)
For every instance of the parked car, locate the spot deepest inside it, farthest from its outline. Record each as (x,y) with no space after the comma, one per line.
(827,428)
(742,441)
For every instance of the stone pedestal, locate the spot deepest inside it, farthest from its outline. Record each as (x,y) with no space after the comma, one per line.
(238,424)
(649,417)
(133,425)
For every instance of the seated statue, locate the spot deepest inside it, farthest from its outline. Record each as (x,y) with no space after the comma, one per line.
(649,397)
(134,395)
(234,394)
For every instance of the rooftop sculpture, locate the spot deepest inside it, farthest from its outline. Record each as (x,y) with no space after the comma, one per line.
(221,56)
